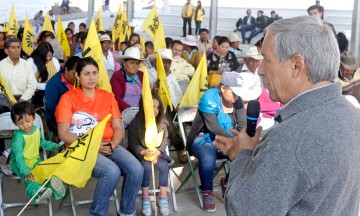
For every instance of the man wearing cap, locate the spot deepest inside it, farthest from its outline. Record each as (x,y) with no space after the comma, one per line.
(204,44)
(234,43)
(191,53)
(220,109)
(349,75)
(187,14)
(108,55)
(182,70)
(306,164)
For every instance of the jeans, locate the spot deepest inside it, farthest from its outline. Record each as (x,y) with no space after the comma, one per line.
(197,27)
(186,21)
(37,25)
(206,153)
(108,170)
(254,33)
(162,165)
(244,29)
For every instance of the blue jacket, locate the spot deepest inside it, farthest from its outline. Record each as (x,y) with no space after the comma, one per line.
(53,91)
(252,21)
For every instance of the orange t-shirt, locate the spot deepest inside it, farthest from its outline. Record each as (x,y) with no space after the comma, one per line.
(99,107)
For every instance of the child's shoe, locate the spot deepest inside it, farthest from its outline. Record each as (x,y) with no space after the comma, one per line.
(57,185)
(163,205)
(44,195)
(146,206)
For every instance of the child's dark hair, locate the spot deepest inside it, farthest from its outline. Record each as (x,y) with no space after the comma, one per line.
(159,118)
(20,109)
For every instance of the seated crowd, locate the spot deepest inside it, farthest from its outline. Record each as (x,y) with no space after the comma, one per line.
(66,86)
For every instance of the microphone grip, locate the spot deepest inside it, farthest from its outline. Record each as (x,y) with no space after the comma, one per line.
(251,126)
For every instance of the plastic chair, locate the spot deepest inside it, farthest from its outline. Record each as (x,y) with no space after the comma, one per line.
(187,115)
(7,125)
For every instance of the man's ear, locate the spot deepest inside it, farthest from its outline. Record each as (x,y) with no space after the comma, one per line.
(6,51)
(298,65)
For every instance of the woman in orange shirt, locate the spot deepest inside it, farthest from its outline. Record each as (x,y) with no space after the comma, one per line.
(78,111)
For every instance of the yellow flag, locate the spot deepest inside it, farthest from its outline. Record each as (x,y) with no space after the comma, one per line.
(4,88)
(142,41)
(74,164)
(13,26)
(198,85)
(153,139)
(93,49)
(151,23)
(159,40)
(6,27)
(62,38)
(47,24)
(164,91)
(125,28)
(98,22)
(28,38)
(117,25)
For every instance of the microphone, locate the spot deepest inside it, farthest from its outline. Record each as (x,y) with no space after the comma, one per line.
(252,115)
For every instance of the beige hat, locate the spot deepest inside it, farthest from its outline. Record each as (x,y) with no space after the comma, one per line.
(130,53)
(132,24)
(349,62)
(105,37)
(2,28)
(164,53)
(251,52)
(234,37)
(190,41)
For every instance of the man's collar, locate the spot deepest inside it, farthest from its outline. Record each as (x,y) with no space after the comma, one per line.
(10,61)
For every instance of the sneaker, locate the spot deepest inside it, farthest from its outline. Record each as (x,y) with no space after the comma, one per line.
(146,207)
(208,201)
(58,186)
(44,195)
(163,205)
(223,185)
(6,169)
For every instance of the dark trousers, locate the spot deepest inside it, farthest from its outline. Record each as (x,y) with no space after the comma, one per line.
(186,20)
(198,27)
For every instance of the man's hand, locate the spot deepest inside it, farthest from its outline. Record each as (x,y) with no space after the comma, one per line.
(231,146)
(30,177)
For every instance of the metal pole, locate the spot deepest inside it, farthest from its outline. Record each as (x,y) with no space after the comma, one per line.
(90,11)
(355,30)
(130,10)
(213,18)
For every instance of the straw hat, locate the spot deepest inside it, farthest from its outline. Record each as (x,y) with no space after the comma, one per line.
(164,53)
(252,52)
(190,41)
(105,37)
(244,84)
(234,37)
(130,53)
(349,62)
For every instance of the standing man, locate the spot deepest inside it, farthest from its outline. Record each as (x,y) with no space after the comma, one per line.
(38,20)
(187,14)
(305,164)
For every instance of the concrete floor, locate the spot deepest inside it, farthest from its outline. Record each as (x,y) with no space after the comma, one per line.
(186,201)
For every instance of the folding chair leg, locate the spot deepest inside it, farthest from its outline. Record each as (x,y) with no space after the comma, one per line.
(1,193)
(195,183)
(186,179)
(50,207)
(172,191)
(72,201)
(117,203)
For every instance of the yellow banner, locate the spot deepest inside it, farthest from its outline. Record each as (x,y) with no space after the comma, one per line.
(4,88)
(164,91)
(28,38)
(159,40)
(61,36)
(13,26)
(47,24)
(98,22)
(117,25)
(151,23)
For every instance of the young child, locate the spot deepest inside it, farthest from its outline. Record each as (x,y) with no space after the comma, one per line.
(137,147)
(25,146)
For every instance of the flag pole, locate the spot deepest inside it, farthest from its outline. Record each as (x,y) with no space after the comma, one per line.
(33,197)
(153,180)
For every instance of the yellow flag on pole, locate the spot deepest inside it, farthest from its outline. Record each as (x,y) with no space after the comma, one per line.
(153,139)
(4,88)
(151,23)
(74,164)
(61,36)
(98,22)
(13,26)
(93,49)
(117,25)
(28,38)
(198,85)
(159,40)
(125,28)
(47,24)
(164,91)
(142,41)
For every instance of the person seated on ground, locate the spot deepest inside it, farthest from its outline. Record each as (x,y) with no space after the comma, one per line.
(149,48)
(58,85)
(82,27)
(238,24)
(150,66)
(248,24)
(134,37)
(343,42)
(274,17)
(113,161)
(235,43)
(159,156)
(126,83)
(44,66)
(65,6)
(349,75)
(191,53)
(222,60)
(71,40)
(204,44)
(16,72)
(182,70)
(38,20)
(220,109)
(25,153)
(317,12)
(108,55)
(260,25)
(168,41)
